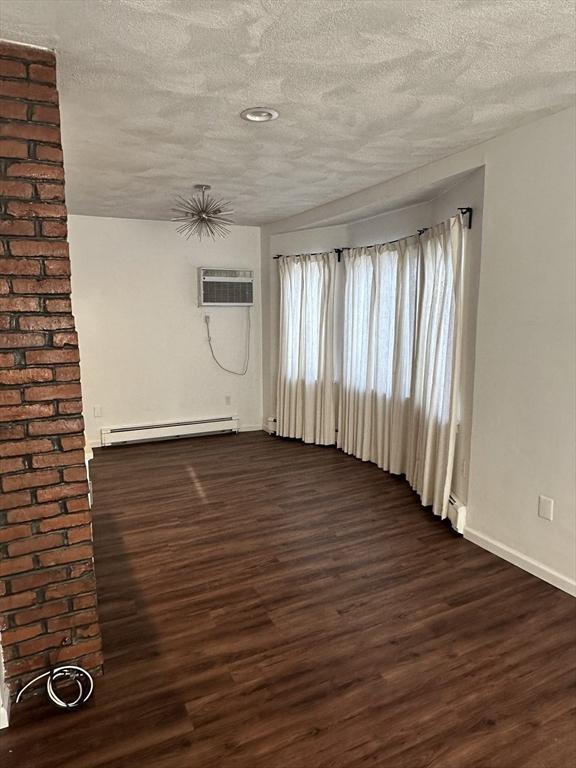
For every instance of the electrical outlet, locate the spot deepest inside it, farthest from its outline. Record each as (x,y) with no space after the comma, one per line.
(546,508)
(228,400)
(97,411)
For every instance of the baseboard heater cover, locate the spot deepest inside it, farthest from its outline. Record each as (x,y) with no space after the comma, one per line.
(270,425)
(168,430)
(457,513)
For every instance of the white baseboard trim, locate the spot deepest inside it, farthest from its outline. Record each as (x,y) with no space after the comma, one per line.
(251,428)
(522,561)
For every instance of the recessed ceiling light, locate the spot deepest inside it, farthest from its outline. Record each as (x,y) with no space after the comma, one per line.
(259,114)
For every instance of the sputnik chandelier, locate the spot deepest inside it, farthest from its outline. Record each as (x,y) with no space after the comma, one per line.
(203,214)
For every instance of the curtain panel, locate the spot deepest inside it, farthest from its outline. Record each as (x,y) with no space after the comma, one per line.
(386,379)
(398,403)
(306,402)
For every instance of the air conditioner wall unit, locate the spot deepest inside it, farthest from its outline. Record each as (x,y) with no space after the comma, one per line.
(225,287)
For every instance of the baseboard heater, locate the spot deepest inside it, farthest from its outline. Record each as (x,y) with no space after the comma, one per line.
(168,430)
(456,513)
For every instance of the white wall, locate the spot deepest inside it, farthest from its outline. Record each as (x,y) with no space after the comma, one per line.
(523,439)
(524,430)
(144,354)
(391,225)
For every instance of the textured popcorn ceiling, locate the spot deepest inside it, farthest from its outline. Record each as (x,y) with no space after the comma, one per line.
(366,89)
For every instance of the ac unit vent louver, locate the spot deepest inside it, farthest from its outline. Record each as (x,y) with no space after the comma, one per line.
(225,287)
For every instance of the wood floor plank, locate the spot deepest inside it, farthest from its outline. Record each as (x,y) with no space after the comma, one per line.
(269,604)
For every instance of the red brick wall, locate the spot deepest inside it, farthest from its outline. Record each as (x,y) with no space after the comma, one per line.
(47,587)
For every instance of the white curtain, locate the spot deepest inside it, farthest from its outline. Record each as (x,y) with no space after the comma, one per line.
(398,404)
(306,405)
(378,349)
(386,378)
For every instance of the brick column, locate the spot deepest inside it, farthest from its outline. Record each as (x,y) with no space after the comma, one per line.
(47,587)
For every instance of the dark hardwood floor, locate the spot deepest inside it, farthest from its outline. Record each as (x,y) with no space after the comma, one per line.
(267,604)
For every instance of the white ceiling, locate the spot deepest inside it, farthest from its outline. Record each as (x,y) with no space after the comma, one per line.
(366,89)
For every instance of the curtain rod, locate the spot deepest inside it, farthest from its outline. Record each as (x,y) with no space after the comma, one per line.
(464,211)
